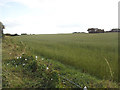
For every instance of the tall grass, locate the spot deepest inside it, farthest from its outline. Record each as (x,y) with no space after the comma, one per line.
(86,52)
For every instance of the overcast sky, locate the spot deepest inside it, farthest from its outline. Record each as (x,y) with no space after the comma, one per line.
(57,16)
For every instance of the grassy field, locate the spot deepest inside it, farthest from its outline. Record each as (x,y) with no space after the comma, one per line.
(86,52)
(93,56)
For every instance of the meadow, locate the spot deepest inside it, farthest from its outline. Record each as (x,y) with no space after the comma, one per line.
(87,59)
(90,53)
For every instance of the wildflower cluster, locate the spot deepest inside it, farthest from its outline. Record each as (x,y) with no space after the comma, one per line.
(28,62)
(33,67)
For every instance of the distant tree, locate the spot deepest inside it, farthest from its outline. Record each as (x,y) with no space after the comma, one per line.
(7,34)
(14,34)
(74,32)
(24,34)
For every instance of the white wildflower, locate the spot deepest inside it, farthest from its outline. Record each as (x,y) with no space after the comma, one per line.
(85,88)
(17,57)
(23,64)
(42,58)
(16,65)
(25,59)
(36,57)
(51,79)
(20,56)
(7,63)
(47,68)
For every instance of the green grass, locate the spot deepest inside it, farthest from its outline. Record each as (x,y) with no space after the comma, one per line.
(79,57)
(25,72)
(86,52)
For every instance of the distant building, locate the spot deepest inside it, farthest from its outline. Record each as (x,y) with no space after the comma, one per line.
(92,30)
(115,30)
(95,30)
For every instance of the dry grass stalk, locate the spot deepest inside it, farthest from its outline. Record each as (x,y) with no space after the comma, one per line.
(109,67)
